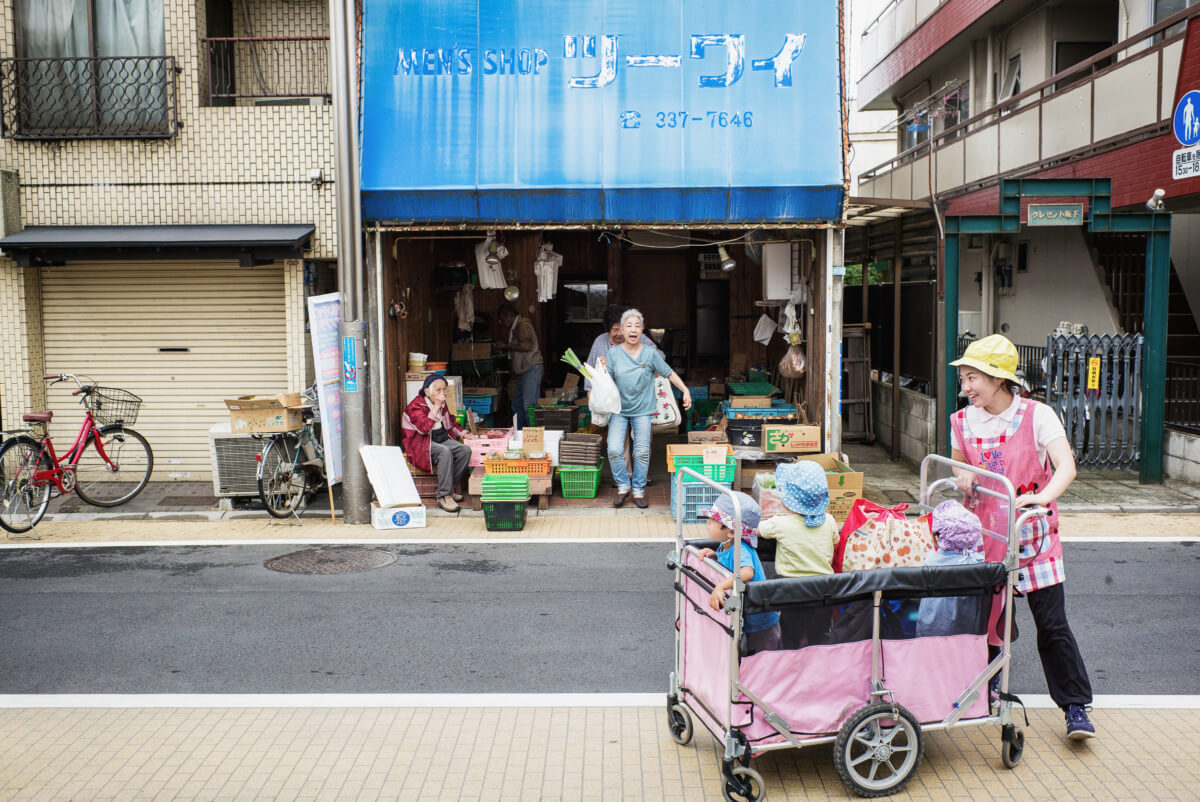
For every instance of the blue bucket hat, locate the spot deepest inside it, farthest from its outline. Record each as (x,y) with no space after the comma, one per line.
(722,511)
(803,489)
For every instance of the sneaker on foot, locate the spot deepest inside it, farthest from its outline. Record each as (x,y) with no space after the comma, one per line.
(1079,726)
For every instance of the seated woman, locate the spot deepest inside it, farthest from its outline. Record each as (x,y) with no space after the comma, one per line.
(432,440)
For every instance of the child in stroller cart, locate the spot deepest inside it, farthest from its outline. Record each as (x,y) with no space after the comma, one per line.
(761,629)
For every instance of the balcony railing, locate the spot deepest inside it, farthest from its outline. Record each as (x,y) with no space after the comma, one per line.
(131,97)
(1087,108)
(267,67)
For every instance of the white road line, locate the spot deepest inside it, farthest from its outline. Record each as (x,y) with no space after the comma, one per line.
(473,541)
(467,700)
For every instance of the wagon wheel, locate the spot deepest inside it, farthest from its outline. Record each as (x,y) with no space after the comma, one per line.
(1012,745)
(877,750)
(742,784)
(679,719)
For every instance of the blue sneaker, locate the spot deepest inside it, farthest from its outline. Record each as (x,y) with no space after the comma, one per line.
(1079,726)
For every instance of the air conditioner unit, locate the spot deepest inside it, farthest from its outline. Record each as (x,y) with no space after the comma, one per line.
(234,462)
(291,101)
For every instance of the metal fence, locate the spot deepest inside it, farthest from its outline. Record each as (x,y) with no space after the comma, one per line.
(267,67)
(1094,385)
(88,98)
(1029,360)
(1183,396)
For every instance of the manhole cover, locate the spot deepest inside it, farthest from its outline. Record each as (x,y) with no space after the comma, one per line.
(331,561)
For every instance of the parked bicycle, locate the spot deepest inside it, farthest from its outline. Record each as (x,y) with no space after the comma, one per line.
(108,464)
(291,464)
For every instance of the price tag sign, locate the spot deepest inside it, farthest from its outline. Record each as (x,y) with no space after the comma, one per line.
(1093,380)
(715,455)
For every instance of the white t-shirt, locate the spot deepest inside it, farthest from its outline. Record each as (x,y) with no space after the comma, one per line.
(1046,426)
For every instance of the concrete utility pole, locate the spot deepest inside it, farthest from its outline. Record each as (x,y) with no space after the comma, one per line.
(343,47)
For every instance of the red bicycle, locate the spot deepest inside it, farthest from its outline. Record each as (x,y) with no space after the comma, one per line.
(108,464)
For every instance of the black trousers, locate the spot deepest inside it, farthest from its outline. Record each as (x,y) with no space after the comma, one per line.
(1066,675)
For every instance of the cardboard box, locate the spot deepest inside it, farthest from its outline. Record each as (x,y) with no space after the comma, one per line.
(707,437)
(750,402)
(467,351)
(406,517)
(748,469)
(265,414)
(845,484)
(716,389)
(784,439)
(416,375)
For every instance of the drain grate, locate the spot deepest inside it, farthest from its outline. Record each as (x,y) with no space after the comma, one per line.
(187,501)
(330,561)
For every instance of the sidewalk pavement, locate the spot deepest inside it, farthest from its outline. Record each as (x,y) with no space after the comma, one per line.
(538,753)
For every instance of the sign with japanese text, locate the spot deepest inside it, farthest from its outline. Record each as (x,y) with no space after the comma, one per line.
(1055,214)
(1093,379)
(324,314)
(601,110)
(1185,163)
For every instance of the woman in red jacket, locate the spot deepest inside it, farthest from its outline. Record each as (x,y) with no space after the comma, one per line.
(431,440)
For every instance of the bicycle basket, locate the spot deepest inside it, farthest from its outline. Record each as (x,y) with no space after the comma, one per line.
(110,405)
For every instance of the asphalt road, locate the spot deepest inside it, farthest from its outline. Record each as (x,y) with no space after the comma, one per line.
(476,618)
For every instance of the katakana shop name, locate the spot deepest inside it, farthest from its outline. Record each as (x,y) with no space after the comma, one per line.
(604,51)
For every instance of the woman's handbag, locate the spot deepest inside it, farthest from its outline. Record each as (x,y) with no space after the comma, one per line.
(666,411)
(881,537)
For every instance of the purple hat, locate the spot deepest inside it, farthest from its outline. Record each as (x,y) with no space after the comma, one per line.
(722,511)
(957,528)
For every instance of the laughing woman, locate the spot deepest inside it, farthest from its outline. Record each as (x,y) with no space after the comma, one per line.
(632,365)
(1025,442)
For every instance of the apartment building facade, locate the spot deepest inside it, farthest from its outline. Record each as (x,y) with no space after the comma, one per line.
(1011,115)
(168,205)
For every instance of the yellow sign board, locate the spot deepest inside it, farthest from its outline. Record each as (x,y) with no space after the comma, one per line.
(1093,382)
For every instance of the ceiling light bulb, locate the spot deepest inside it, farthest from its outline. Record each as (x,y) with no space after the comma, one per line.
(727,262)
(492,257)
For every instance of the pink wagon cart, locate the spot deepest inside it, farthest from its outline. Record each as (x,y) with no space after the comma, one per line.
(872,686)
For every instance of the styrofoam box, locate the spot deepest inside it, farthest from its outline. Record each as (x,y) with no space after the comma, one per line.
(553,439)
(405,517)
(389,476)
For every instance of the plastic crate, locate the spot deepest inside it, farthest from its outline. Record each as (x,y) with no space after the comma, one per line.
(748,431)
(778,409)
(758,376)
(717,473)
(580,481)
(504,487)
(504,516)
(699,393)
(696,497)
(529,467)
(560,418)
(752,388)
(585,420)
(482,445)
(480,404)
(426,485)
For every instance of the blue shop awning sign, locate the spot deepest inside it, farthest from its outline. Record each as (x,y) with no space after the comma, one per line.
(601,111)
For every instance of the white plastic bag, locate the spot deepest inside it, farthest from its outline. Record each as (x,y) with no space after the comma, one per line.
(764,329)
(605,398)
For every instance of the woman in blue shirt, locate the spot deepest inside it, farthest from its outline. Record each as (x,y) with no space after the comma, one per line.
(633,366)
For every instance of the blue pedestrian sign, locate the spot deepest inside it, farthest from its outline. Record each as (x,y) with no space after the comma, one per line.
(1187,119)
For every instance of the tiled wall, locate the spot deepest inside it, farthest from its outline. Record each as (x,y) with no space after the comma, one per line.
(226,165)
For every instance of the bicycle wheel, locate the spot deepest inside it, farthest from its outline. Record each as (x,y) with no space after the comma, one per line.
(280,480)
(126,472)
(23,499)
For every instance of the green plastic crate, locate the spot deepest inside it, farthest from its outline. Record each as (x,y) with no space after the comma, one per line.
(505,487)
(504,516)
(580,481)
(717,473)
(752,388)
(758,376)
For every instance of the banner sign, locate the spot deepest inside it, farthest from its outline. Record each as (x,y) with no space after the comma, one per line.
(1055,214)
(324,314)
(601,110)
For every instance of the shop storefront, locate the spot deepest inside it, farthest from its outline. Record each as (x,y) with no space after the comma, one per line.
(647,145)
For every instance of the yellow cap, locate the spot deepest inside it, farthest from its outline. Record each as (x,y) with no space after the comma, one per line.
(995,355)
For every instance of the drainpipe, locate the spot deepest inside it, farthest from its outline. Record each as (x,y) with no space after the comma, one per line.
(989,93)
(343,46)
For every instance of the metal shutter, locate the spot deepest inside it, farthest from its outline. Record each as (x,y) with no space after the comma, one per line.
(109,321)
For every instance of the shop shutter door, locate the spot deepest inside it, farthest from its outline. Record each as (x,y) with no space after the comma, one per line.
(109,321)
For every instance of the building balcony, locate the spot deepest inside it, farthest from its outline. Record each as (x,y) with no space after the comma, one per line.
(88,98)
(284,70)
(894,24)
(1120,96)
